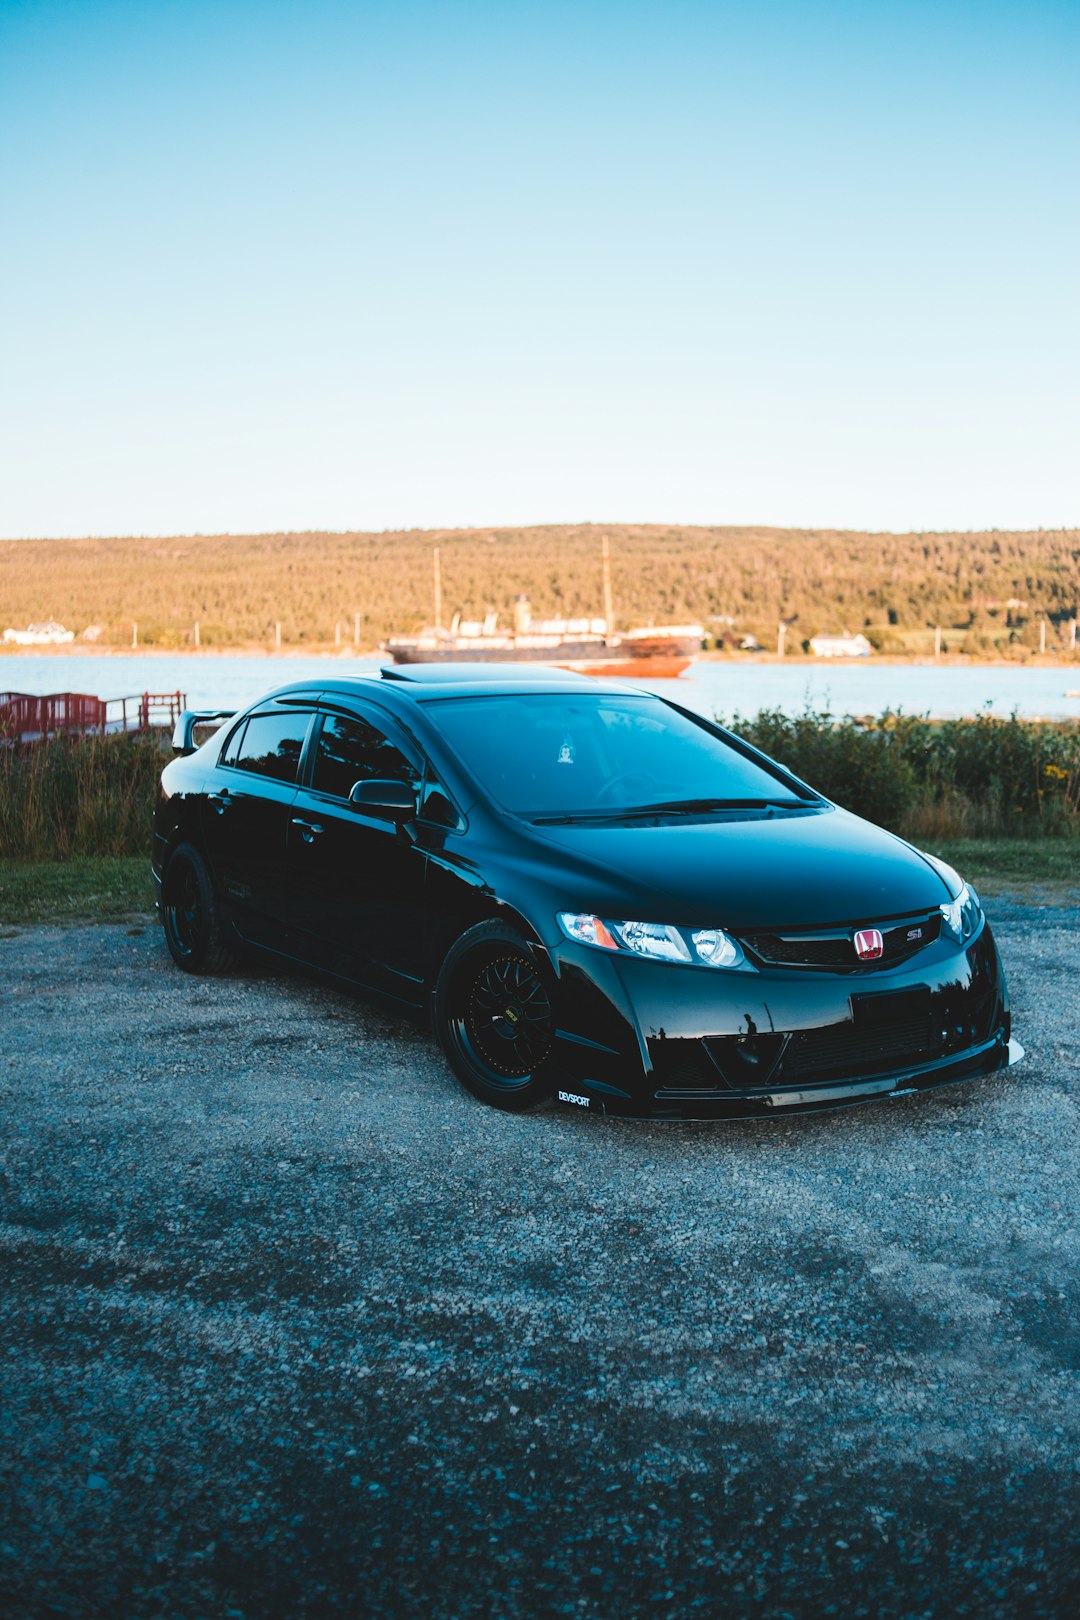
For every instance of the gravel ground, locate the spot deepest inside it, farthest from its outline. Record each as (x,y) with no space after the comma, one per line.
(290,1326)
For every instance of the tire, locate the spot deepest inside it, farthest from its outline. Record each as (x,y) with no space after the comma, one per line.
(198,937)
(494,1018)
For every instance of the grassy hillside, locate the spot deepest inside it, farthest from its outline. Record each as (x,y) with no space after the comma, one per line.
(988,591)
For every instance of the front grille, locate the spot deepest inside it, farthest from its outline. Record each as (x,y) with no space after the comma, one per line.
(715,1063)
(835,948)
(683,1065)
(844,1049)
(886,1032)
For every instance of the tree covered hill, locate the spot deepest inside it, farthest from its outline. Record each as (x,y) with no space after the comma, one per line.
(990,588)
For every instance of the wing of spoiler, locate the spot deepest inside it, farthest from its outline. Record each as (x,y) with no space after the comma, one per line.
(184,730)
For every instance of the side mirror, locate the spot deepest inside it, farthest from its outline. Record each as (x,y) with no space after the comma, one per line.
(397,797)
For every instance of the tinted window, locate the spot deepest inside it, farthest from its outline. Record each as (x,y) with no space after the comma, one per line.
(351,750)
(550,753)
(232,747)
(270,745)
(436,804)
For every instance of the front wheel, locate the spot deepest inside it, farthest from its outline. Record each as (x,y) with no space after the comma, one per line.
(494,1018)
(198,937)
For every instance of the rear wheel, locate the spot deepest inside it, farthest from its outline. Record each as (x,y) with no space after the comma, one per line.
(198,937)
(495,1020)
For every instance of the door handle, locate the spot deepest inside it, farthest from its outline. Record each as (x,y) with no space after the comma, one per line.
(309,830)
(221,801)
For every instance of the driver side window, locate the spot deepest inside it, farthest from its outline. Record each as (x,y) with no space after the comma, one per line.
(349,749)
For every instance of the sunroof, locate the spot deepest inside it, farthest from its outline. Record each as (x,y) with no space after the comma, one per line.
(460,673)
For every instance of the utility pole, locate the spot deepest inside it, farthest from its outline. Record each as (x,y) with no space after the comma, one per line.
(356,630)
(134,635)
(1072,636)
(438,589)
(781,637)
(277,636)
(605,560)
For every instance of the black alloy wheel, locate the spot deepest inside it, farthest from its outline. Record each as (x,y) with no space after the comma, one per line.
(495,1020)
(197,936)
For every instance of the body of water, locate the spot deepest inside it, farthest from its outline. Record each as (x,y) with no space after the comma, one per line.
(859,687)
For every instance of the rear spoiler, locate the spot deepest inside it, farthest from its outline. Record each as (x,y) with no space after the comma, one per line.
(184,730)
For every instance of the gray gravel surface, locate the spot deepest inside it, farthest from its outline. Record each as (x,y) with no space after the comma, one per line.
(291,1326)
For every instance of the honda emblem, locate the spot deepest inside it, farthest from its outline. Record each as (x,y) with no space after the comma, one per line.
(869,944)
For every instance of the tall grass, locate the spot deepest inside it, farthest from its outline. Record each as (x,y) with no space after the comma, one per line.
(84,796)
(982,778)
(986,777)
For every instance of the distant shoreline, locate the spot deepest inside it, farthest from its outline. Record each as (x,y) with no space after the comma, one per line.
(737,660)
(93,650)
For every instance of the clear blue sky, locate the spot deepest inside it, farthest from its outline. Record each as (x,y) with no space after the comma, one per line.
(366,266)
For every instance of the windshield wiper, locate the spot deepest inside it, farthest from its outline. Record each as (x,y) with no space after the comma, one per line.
(668,807)
(565,817)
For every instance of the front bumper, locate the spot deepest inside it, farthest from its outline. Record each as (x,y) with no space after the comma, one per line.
(652,1040)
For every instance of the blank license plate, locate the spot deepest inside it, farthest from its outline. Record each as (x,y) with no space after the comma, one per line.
(890,1008)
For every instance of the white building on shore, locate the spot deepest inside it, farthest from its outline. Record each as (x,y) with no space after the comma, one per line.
(840,646)
(49,634)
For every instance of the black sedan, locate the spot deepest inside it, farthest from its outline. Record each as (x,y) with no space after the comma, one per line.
(602,898)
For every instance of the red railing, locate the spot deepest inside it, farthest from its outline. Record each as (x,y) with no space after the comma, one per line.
(145,710)
(25,718)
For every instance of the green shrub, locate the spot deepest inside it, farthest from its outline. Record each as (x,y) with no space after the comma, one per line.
(1007,768)
(864,770)
(929,778)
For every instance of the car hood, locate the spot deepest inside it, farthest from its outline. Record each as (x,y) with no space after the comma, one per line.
(813,869)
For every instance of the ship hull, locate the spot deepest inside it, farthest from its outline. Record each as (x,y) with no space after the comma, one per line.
(656,666)
(403,652)
(655,656)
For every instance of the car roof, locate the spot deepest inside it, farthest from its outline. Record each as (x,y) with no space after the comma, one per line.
(425,681)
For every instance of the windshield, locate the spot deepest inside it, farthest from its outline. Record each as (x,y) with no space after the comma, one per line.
(554,754)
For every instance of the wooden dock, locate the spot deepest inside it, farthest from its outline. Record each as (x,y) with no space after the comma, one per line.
(25,717)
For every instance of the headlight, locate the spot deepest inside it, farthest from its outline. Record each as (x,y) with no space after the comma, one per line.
(715,948)
(586,929)
(653,939)
(963,915)
(660,942)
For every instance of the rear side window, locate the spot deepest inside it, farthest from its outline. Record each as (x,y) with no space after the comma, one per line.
(269,745)
(350,750)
